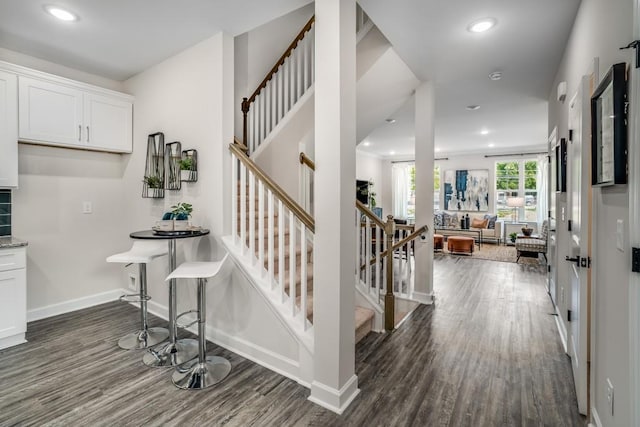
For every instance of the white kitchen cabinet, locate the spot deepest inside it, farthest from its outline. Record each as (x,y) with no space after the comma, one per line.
(74,115)
(13,296)
(8,129)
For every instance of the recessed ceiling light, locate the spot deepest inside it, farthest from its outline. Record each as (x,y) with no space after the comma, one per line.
(495,75)
(482,25)
(491,145)
(392,152)
(391,120)
(484,132)
(61,14)
(472,107)
(437,150)
(366,143)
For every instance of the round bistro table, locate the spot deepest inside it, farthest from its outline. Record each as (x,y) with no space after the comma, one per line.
(174,351)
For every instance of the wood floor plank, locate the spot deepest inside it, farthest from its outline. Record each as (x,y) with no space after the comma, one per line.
(487,353)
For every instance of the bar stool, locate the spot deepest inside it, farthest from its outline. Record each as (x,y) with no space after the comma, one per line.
(206,370)
(142,252)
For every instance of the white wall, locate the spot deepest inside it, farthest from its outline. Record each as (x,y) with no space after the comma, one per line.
(599,30)
(189,97)
(67,249)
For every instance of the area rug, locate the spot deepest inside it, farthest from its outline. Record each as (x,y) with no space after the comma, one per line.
(502,253)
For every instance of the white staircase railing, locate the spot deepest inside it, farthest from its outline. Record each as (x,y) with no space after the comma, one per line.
(274,233)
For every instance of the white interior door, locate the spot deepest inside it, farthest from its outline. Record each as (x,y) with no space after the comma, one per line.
(578,188)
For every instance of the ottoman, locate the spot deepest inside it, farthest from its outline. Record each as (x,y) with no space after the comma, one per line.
(438,242)
(460,244)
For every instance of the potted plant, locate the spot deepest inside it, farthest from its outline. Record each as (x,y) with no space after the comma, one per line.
(513,236)
(180,214)
(154,183)
(186,167)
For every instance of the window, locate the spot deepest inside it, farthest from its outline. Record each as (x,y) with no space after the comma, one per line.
(404,190)
(517,178)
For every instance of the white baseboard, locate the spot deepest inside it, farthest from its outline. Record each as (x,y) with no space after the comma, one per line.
(72,305)
(595,417)
(12,340)
(332,399)
(260,355)
(422,297)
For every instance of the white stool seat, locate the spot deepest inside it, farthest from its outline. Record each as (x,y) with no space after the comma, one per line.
(142,252)
(197,270)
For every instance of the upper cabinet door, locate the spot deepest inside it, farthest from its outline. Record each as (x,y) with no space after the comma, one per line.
(8,130)
(108,123)
(50,112)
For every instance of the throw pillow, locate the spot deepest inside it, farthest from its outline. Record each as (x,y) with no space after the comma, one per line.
(438,219)
(491,224)
(479,223)
(455,221)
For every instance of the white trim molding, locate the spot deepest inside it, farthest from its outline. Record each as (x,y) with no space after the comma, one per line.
(423,297)
(73,305)
(596,419)
(334,400)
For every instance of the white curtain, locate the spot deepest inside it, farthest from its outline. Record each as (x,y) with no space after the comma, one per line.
(400,190)
(542,179)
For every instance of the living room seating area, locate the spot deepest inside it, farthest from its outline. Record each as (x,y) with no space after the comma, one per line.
(484,226)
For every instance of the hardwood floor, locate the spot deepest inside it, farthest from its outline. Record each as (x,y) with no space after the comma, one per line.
(486,354)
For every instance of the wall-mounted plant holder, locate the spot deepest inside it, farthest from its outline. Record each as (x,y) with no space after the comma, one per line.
(189,166)
(153,181)
(172,157)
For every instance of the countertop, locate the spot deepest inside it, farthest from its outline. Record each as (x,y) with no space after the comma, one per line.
(11,242)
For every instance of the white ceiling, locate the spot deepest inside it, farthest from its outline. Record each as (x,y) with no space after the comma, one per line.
(431,37)
(119,38)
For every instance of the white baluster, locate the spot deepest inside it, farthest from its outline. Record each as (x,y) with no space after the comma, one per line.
(251,128)
(358,239)
(252,217)
(300,72)
(243,208)
(286,77)
(292,262)
(303,275)
(274,102)
(271,241)
(234,198)
(312,37)
(367,224)
(261,226)
(281,271)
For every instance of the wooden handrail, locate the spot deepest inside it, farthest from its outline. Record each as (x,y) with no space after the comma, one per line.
(373,217)
(398,245)
(305,160)
(291,204)
(247,101)
(241,145)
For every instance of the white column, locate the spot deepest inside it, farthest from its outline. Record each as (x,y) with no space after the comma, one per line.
(335,384)
(425,97)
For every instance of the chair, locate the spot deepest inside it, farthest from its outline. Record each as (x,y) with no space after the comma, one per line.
(142,252)
(204,371)
(532,246)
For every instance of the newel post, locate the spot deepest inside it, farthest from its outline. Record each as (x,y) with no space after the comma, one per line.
(245,110)
(389,298)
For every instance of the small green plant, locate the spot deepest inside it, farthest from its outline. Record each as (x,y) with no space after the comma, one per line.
(153,181)
(186,164)
(181,211)
(513,236)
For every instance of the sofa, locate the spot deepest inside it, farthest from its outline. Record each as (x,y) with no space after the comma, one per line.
(446,223)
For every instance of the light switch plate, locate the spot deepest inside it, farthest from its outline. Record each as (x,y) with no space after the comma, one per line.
(620,235)
(87,207)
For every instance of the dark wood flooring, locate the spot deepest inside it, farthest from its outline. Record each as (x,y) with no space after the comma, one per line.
(486,354)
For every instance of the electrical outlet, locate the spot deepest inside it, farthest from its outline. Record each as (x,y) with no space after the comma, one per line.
(609,392)
(133,285)
(87,207)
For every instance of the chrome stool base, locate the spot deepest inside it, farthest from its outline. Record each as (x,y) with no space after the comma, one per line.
(169,354)
(142,339)
(194,375)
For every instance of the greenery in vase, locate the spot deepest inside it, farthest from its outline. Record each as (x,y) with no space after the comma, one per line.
(513,236)
(153,181)
(181,211)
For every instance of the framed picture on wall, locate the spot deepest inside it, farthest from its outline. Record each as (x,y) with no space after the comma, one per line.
(609,129)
